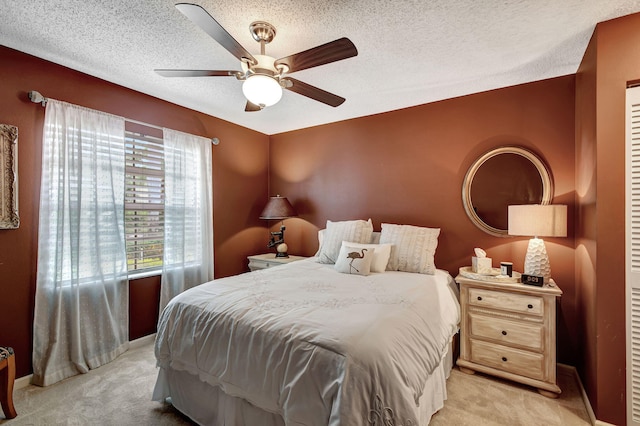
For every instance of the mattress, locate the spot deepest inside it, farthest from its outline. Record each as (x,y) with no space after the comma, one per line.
(309,345)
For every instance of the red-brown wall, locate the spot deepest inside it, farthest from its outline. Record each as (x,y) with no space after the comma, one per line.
(240,177)
(611,61)
(586,227)
(408,166)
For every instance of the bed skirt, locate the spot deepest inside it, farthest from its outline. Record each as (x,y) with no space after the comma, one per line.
(209,405)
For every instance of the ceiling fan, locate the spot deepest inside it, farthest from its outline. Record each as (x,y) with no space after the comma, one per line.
(264,77)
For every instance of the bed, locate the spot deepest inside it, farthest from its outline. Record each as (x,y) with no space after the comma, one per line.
(306,344)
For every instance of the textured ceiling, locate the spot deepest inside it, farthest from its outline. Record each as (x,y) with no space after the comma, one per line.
(410,52)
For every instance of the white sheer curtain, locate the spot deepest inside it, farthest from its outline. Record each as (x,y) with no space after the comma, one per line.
(188,215)
(81,305)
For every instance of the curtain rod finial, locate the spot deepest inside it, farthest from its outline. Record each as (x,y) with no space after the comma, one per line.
(36,97)
(215,141)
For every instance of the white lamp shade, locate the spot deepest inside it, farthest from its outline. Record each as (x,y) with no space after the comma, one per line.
(262,90)
(538,220)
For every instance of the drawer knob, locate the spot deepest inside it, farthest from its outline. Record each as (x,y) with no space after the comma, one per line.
(479,297)
(530,306)
(504,358)
(504,333)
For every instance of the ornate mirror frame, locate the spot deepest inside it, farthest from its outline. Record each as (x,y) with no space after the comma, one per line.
(545,176)
(9,177)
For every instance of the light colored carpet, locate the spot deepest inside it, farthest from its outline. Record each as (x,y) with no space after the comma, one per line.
(483,400)
(120,394)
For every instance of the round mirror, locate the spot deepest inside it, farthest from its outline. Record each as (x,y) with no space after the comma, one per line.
(502,177)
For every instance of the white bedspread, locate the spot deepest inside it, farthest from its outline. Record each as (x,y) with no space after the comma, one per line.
(316,346)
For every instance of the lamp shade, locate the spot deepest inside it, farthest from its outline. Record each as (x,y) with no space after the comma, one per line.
(278,208)
(262,90)
(535,220)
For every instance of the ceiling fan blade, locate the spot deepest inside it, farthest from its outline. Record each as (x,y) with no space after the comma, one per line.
(201,18)
(251,107)
(196,73)
(333,51)
(313,92)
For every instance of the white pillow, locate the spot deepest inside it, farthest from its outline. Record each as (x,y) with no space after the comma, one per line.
(357,231)
(375,237)
(354,260)
(414,247)
(321,233)
(381,253)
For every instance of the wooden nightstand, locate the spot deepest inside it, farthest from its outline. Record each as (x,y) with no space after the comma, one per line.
(509,330)
(268,260)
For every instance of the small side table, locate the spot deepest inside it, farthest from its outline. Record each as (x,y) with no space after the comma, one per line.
(509,330)
(269,260)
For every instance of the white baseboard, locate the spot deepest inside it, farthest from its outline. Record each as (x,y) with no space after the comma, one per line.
(571,370)
(142,341)
(23,382)
(601,423)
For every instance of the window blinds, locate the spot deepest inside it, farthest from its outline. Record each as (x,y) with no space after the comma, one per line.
(144,201)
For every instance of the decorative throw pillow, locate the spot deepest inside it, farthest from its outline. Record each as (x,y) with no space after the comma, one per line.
(357,231)
(321,233)
(375,239)
(381,253)
(413,249)
(354,260)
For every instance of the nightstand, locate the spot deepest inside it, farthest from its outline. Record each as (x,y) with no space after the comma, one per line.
(268,260)
(508,330)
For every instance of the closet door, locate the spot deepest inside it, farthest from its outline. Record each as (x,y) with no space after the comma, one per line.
(632,287)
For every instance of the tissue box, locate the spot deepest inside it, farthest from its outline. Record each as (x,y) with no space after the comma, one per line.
(481,265)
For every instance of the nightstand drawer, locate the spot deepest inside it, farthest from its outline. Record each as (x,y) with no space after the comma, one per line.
(263,265)
(506,301)
(516,361)
(269,260)
(507,332)
(256,264)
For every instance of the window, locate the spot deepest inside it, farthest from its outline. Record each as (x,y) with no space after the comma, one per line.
(144,201)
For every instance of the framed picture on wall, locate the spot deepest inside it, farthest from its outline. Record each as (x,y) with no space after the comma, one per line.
(9,177)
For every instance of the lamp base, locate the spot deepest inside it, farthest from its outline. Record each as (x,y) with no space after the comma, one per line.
(282,250)
(536,262)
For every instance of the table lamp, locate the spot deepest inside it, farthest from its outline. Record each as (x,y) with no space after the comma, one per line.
(278,208)
(535,220)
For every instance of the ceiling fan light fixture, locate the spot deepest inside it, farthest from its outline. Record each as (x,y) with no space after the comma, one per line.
(262,90)
(264,76)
